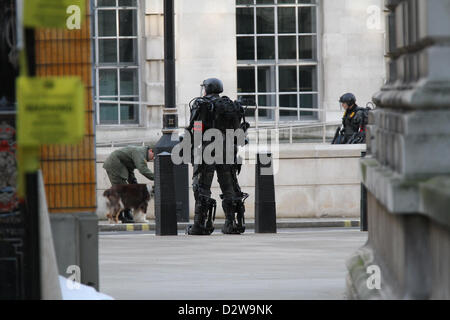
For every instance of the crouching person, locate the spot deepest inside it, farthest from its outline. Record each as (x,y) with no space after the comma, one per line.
(120,166)
(354,122)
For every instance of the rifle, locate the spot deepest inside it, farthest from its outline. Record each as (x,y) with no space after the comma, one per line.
(244,126)
(357,138)
(338,137)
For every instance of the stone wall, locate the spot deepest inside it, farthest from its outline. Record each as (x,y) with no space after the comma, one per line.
(311,181)
(407,170)
(353,36)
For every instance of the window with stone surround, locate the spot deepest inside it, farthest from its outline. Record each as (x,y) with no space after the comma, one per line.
(277,56)
(117,69)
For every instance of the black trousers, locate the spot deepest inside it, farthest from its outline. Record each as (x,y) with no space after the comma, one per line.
(231,192)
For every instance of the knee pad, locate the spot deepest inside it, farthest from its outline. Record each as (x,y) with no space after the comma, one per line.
(205,200)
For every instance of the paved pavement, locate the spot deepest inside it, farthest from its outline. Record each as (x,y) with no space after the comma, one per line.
(293,264)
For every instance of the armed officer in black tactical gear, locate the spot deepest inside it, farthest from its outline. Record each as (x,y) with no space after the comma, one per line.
(353,122)
(214,112)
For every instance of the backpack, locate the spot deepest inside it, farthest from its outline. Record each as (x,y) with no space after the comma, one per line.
(226,114)
(360,136)
(365,112)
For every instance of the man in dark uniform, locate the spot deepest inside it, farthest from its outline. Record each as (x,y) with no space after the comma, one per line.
(214,112)
(120,166)
(353,122)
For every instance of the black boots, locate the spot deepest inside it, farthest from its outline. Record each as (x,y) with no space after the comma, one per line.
(204,219)
(231,227)
(199,228)
(126,216)
(205,214)
(231,207)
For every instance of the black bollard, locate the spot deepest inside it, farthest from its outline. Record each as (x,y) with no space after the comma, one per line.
(181,175)
(265,205)
(165,204)
(181,178)
(363,213)
(364,224)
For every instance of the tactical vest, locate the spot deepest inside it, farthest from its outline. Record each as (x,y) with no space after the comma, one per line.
(217,112)
(353,120)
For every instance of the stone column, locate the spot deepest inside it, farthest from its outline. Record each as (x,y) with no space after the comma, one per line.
(407,171)
(154,62)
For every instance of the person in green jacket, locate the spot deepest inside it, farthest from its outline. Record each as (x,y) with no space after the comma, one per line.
(120,165)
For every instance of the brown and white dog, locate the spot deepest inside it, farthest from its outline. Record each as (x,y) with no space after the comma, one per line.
(134,197)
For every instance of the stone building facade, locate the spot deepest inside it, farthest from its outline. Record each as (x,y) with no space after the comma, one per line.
(407,172)
(286,55)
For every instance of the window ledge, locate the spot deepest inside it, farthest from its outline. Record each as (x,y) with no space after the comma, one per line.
(105,127)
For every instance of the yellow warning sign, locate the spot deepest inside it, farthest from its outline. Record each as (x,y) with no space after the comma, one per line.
(53,13)
(50,111)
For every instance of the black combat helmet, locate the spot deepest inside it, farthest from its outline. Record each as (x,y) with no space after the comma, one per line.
(213,86)
(348,98)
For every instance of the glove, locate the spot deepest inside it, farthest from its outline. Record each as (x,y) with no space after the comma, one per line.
(132,181)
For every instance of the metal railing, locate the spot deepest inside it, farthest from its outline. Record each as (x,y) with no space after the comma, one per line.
(291,127)
(121,143)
